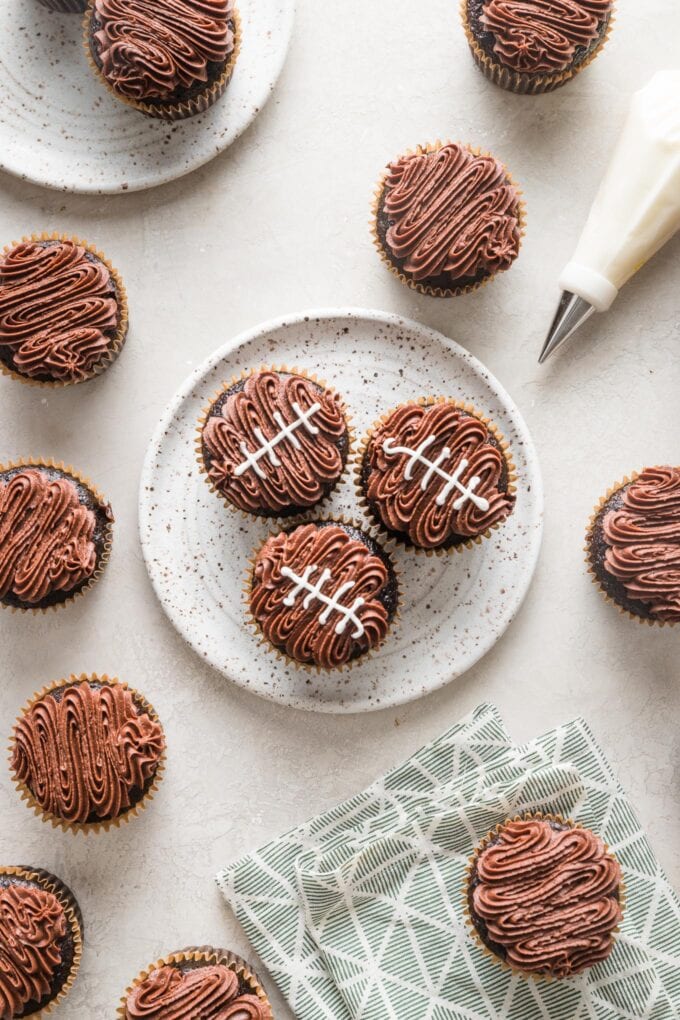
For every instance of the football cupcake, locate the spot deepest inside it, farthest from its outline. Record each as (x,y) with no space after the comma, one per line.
(436,475)
(274,443)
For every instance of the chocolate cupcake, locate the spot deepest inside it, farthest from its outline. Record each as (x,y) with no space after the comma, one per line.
(633,545)
(213,984)
(87,753)
(533,46)
(274,443)
(169,59)
(544,896)
(41,941)
(436,475)
(323,594)
(447,218)
(63,311)
(55,535)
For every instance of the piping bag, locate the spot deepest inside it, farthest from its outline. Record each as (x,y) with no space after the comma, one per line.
(636,211)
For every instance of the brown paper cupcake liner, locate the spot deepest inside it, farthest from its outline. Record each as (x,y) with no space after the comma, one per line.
(201,954)
(627,480)
(388,546)
(116,345)
(172,111)
(470,924)
(516,81)
(401,539)
(419,285)
(88,827)
(74,920)
(279,519)
(105,555)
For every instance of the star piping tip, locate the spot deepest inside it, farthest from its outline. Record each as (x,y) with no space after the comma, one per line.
(571,313)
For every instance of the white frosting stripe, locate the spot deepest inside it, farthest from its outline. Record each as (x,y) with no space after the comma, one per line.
(331,603)
(453,481)
(267,447)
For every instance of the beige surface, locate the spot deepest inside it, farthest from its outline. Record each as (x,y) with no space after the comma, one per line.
(278,224)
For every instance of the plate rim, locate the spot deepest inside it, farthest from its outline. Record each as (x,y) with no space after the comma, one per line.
(161,178)
(384,318)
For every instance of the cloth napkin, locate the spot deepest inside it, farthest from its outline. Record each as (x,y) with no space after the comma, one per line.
(359,913)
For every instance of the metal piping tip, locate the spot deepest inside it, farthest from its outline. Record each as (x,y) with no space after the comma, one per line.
(571,313)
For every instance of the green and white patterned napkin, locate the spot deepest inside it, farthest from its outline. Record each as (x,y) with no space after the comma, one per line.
(359,914)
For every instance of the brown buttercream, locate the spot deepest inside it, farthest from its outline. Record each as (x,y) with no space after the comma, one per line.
(87,753)
(303,625)
(452,213)
(403,492)
(210,992)
(58,310)
(302,467)
(46,537)
(152,49)
(32,925)
(542,36)
(548,896)
(643,539)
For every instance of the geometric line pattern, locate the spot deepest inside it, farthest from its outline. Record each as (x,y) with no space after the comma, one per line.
(358,913)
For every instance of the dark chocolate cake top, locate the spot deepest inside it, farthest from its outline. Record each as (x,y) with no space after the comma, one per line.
(32,926)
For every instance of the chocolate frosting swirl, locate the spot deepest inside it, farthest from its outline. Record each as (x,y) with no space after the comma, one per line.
(548,895)
(150,49)
(32,925)
(46,537)
(58,310)
(210,992)
(87,753)
(303,466)
(542,36)
(410,499)
(304,626)
(643,539)
(452,213)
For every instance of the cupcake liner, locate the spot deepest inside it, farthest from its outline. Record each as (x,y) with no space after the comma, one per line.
(88,827)
(65,6)
(470,924)
(402,539)
(201,954)
(277,519)
(118,341)
(172,111)
(388,546)
(419,285)
(105,555)
(74,920)
(522,83)
(592,521)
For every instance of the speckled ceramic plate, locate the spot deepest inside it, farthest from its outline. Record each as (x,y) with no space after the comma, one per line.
(59,127)
(454,608)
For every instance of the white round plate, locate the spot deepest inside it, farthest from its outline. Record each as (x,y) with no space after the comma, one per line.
(61,128)
(454,608)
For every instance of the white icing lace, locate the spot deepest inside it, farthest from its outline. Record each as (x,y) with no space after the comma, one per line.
(467,492)
(268,446)
(331,602)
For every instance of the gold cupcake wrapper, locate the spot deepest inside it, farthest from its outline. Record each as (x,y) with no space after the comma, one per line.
(38,462)
(522,83)
(388,546)
(419,285)
(402,539)
(171,111)
(202,954)
(71,909)
(470,924)
(86,827)
(627,480)
(304,514)
(115,346)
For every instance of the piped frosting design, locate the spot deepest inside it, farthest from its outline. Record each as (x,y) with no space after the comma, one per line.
(32,926)
(206,992)
(547,895)
(542,36)
(434,474)
(643,542)
(453,215)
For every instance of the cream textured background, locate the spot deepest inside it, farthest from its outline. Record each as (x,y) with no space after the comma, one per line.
(275,225)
